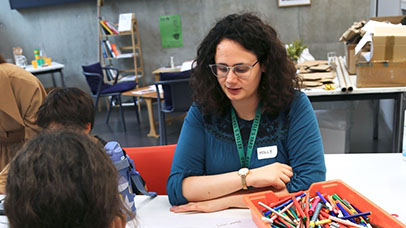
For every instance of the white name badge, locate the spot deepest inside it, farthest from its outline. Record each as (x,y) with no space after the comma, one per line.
(267,152)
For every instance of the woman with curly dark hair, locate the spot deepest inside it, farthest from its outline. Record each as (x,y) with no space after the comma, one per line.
(250,128)
(63,179)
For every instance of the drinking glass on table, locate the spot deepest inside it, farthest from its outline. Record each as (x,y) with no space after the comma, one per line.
(331,57)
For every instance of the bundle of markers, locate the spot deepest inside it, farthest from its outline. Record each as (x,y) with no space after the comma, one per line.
(326,211)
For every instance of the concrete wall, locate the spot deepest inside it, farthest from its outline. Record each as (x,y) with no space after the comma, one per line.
(68,33)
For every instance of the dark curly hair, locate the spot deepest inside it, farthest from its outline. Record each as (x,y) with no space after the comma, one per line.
(279,81)
(62,179)
(70,107)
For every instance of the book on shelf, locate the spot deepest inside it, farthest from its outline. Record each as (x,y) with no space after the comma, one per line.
(125,55)
(111,26)
(106,28)
(103,30)
(115,49)
(108,45)
(103,47)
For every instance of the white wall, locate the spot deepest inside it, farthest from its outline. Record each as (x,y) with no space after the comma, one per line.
(389,8)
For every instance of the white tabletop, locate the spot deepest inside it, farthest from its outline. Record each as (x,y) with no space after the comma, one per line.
(54,66)
(155,213)
(379,177)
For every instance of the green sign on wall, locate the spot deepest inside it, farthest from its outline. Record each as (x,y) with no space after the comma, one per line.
(171,31)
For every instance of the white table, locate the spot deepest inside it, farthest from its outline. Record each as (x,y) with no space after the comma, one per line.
(54,67)
(379,177)
(155,213)
(395,93)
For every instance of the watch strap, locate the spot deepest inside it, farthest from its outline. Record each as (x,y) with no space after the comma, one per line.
(244,182)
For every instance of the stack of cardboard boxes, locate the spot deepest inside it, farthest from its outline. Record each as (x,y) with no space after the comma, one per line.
(387,67)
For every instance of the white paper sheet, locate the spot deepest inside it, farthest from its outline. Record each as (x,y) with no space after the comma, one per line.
(124,22)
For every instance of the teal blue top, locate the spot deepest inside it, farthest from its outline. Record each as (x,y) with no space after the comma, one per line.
(206,146)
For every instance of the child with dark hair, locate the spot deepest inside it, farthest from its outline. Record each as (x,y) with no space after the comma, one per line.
(68,108)
(63,179)
(73,109)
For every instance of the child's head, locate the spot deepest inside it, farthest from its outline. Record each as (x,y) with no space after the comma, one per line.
(70,108)
(62,179)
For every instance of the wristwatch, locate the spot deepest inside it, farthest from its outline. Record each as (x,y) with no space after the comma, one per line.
(243,172)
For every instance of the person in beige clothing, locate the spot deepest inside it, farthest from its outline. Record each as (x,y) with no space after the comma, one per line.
(21,96)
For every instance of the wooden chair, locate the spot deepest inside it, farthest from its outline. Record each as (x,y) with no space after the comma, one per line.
(154,165)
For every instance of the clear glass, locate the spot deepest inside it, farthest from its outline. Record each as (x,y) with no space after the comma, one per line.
(21,61)
(242,70)
(331,57)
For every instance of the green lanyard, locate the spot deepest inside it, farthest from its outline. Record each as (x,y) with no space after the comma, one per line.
(245,159)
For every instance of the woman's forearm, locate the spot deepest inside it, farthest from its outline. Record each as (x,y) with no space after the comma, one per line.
(200,188)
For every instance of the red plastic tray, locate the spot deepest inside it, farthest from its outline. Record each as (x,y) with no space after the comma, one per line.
(378,215)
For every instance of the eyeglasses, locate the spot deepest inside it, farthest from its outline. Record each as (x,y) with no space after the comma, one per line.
(241,70)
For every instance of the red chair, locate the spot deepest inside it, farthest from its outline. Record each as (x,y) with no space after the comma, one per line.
(154,165)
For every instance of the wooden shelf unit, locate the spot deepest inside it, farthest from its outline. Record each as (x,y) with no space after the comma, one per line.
(137,65)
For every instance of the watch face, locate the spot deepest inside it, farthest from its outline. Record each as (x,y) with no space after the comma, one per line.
(243,171)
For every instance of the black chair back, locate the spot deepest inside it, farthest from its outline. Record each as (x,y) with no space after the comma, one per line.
(177,98)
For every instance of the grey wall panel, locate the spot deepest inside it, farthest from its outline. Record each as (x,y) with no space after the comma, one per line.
(68,33)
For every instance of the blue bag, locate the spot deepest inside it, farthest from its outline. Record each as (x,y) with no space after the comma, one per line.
(129,178)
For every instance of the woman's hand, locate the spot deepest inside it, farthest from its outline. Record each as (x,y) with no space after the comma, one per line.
(235,201)
(275,175)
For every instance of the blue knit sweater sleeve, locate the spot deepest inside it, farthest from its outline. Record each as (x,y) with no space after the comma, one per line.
(189,156)
(306,156)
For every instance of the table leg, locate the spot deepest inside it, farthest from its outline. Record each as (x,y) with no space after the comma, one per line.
(375,104)
(152,131)
(62,79)
(401,123)
(53,79)
(398,122)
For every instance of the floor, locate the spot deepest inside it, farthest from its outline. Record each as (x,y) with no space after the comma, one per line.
(347,126)
(356,136)
(136,134)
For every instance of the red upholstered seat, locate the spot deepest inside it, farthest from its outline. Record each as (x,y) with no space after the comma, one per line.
(154,165)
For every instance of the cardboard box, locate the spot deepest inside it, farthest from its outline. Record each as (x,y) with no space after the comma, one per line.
(392,19)
(350,58)
(381,74)
(381,41)
(389,43)
(378,215)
